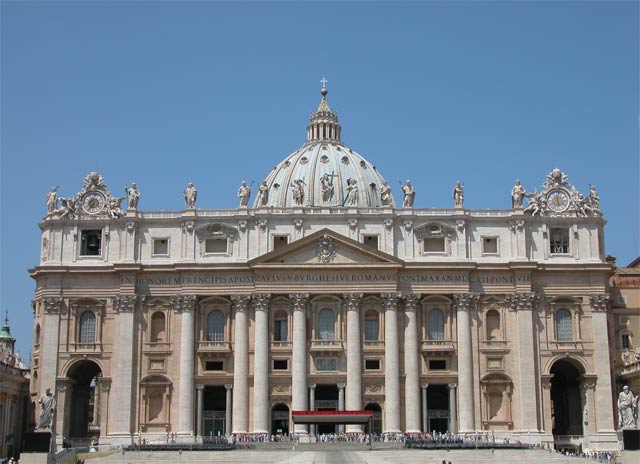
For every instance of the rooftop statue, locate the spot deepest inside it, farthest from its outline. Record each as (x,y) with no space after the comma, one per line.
(518,194)
(409,195)
(263,194)
(190,196)
(133,196)
(385,194)
(244,193)
(52,200)
(458,195)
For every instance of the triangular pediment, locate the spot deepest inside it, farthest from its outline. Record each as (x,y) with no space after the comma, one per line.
(326,248)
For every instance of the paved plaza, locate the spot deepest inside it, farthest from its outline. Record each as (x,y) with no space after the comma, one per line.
(345,456)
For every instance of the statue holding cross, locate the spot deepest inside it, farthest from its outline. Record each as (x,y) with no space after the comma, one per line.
(326,186)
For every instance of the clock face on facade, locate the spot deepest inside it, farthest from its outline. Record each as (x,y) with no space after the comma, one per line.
(93,203)
(558,200)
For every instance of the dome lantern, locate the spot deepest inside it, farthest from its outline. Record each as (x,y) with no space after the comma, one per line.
(324,121)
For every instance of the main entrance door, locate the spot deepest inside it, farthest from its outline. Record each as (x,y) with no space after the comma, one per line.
(326,400)
(437,408)
(214,414)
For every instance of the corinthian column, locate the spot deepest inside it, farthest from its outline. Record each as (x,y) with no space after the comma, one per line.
(354,357)
(411,365)
(240,411)
(604,404)
(184,305)
(391,360)
(522,303)
(261,364)
(125,306)
(465,303)
(299,356)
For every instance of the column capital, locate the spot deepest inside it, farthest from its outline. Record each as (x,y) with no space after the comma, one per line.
(352,301)
(465,301)
(599,302)
(312,386)
(125,303)
(588,382)
(228,386)
(522,301)
(411,301)
(104,383)
(546,380)
(261,301)
(200,387)
(424,386)
(341,385)
(390,300)
(240,302)
(52,305)
(183,303)
(298,300)
(452,385)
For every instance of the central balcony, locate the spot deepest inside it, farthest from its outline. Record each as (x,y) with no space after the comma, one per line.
(438,346)
(326,345)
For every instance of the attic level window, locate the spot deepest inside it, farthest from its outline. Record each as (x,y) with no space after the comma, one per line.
(371,241)
(216,245)
(559,241)
(434,245)
(91,242)
(490,245)
(160,247)
(280,241)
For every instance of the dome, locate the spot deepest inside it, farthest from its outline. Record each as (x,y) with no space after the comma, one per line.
(324,172)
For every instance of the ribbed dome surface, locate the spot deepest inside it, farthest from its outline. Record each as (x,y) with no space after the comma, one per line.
(310,163)
(324,172)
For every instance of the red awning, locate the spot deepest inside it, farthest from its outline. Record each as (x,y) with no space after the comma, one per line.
(331,417)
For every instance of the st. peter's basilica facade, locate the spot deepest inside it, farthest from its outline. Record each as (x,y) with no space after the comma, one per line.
(323,292)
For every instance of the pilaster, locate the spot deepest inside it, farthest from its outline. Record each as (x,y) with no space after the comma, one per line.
(604,403)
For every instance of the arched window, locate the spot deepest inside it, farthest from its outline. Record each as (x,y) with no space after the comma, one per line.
(87,327)
(564,330)
(493,325)
(435,323)
(280,327)
(215,326)
(371,326)
(37,337)
(326,324)
(158,327)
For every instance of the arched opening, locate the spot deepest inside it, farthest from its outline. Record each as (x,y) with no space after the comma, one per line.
(435,321)
(280,419)
(371,326)
(566,399)
(158,329)
(84,400)
(376,423)
(493,325)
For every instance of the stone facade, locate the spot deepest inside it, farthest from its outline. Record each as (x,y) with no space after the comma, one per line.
(206,321)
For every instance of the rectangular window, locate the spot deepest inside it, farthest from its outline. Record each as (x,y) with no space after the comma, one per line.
(326,365)
(371,328)
(559,241)
(626,342)
(215,245)
(280,241)
(160,247)
(280,364)
(372,364)
(213,366)
(91,242)
(434,245)
(489,245)
(371,241)
(437,365)
(280,330)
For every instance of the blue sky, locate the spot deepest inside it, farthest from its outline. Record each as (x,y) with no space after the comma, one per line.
(162,93)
